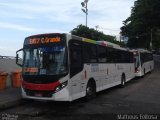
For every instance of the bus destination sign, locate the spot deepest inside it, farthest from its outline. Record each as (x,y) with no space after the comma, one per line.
(44,40)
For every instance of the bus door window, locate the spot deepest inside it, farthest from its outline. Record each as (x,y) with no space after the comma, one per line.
(136,59)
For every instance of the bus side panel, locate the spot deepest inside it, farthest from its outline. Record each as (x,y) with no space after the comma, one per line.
(129,71)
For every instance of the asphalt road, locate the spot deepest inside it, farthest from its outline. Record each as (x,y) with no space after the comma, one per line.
(140,99)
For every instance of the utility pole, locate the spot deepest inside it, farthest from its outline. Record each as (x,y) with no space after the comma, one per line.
(85,8)
(120,36)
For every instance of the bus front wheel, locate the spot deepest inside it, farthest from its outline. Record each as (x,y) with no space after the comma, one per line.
(90,90)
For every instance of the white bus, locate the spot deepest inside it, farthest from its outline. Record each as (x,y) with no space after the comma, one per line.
(64,67)
(143,62)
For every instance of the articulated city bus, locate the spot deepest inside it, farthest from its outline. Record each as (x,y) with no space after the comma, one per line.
(64,67)
(143,62)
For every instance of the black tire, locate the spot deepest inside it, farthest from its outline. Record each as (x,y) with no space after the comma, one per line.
(123,81)
(90,90)
(144,72)
(150,70)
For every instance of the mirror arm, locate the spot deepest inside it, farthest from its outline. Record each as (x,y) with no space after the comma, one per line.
(17,57)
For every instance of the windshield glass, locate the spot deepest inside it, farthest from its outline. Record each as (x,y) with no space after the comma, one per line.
(45,61)
(136,59)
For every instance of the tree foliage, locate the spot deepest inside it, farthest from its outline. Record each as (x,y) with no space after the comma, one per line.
(143,21)
(91,33)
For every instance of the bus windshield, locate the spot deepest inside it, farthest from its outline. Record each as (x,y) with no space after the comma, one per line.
(45,61)
(136,58)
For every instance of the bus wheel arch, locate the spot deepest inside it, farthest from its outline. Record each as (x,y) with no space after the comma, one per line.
(123,80)
(90,89)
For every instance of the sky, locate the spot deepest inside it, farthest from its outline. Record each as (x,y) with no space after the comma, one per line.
(22,18)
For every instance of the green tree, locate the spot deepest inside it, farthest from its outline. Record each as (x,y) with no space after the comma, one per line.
(144,19)
(93,34)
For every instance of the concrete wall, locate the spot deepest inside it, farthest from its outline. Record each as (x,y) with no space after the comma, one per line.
(8,65)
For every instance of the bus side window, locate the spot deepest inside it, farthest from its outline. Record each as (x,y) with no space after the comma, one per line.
(76,63)
(102,54)
(110,55)
(90,53)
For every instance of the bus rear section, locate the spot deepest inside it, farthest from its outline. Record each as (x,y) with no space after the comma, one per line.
(143,62)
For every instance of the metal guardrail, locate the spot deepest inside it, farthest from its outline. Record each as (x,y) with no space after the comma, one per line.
(7,57)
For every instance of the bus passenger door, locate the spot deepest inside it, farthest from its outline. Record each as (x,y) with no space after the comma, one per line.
(76,67)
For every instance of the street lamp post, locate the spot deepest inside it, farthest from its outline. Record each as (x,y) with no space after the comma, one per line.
(97,26)
(85,9)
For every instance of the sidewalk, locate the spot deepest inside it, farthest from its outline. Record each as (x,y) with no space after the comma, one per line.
(10,97)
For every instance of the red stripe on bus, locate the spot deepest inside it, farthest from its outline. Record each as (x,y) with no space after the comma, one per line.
(45,87)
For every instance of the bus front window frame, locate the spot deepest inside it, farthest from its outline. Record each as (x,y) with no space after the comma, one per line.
(37,60)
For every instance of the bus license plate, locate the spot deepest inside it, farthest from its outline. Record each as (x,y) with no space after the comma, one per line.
(38,94)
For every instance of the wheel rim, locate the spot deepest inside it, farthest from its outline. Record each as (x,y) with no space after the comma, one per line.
(89,90)
(123,81)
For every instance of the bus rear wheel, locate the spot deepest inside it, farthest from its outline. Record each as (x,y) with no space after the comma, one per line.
(90,90)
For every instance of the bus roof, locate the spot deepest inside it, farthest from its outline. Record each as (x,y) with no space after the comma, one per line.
(103,43)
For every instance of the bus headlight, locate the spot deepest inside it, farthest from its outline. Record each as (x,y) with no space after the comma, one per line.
(61,86)
(137,70)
